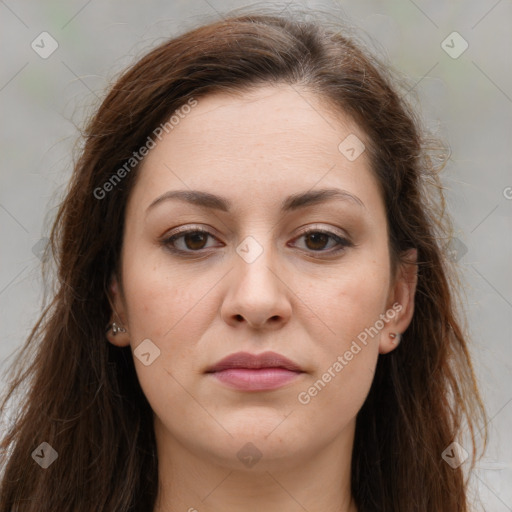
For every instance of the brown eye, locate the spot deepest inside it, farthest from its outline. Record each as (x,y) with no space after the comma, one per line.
(188,241)
(195,240)
(317,240)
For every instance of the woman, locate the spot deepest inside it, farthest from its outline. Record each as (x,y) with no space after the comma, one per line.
(253,308)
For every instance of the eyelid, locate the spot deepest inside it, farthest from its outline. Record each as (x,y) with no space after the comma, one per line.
(320,227)
(305,229)
(187,228)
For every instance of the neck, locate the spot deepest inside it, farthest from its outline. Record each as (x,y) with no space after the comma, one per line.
(317,479)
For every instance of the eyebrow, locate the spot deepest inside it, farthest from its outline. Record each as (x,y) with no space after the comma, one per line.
(292,202)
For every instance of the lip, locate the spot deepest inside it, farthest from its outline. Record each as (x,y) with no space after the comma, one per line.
(255,372)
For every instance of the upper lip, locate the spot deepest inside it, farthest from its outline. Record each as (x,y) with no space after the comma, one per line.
(248,360)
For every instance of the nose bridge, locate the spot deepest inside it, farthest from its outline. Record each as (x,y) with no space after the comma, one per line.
(257,292)
(256,260)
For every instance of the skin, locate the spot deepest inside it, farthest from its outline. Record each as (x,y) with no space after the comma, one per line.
(255,150)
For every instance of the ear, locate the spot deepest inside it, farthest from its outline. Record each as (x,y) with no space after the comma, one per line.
(400,301)
(118,314)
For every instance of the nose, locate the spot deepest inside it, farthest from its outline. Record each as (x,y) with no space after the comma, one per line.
(258,294)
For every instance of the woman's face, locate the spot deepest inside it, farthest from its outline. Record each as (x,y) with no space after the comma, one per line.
(255,280)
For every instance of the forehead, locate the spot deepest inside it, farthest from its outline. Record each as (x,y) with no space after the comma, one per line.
(271,117)
(265,142)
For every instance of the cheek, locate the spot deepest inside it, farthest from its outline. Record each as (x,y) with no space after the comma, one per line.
(164,306)
(346,361)
(352,306)
(161,297)
(354,297)
(333,399)
(173,309)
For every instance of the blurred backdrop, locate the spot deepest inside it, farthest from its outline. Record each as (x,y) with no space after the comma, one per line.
(58,58)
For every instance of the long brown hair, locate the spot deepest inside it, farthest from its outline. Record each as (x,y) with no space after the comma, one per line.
(82,394)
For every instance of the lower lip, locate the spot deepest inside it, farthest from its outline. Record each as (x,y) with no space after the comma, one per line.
(256,379)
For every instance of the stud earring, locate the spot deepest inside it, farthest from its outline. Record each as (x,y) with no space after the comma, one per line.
(395,337)
(117,328)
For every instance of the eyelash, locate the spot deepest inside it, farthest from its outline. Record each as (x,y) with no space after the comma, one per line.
(169,241)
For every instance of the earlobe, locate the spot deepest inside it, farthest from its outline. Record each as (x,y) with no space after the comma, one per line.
(116,332)
(117,335)
(402,300)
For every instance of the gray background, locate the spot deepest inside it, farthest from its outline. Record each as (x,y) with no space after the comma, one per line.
(466,100)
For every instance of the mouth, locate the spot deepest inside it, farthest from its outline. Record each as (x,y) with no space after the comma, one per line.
(255,372)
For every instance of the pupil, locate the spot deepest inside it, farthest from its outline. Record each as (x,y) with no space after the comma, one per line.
(319,237)
(195,237)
